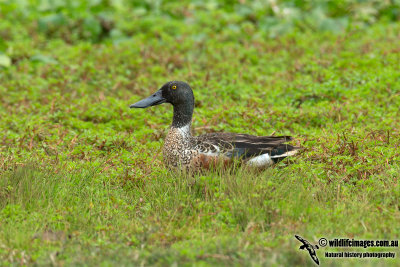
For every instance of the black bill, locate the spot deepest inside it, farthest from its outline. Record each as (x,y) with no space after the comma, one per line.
(153,100)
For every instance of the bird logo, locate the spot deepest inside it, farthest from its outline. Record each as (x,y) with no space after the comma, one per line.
(311,248)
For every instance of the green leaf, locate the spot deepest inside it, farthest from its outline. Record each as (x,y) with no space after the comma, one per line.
(3,45)
(43,59)
(92,28)
(52,21)
(5,61)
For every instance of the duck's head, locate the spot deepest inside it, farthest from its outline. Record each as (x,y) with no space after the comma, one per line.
(176,93)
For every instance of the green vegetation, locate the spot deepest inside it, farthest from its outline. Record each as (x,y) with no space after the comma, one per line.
(81,175)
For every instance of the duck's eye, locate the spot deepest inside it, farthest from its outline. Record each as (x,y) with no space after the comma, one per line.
(173,87)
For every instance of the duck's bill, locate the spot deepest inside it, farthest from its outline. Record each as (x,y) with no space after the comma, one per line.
(153,100)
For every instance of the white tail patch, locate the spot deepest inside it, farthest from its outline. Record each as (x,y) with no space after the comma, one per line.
(260,161)
(266,160)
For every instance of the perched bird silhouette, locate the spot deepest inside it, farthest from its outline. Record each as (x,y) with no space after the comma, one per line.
(183,151)
(311,249)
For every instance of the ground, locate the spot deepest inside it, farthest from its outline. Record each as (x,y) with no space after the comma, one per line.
(82,178)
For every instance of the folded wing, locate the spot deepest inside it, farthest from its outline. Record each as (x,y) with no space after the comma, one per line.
(246,146)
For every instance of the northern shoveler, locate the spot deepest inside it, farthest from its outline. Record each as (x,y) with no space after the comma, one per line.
(184,151)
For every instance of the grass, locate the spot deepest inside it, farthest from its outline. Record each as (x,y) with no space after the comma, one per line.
(81,175)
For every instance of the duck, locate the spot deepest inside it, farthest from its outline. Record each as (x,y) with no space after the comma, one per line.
(183,151)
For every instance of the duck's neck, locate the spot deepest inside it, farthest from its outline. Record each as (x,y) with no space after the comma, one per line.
(182,116)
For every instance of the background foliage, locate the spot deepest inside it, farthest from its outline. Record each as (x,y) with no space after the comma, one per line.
(81,175)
